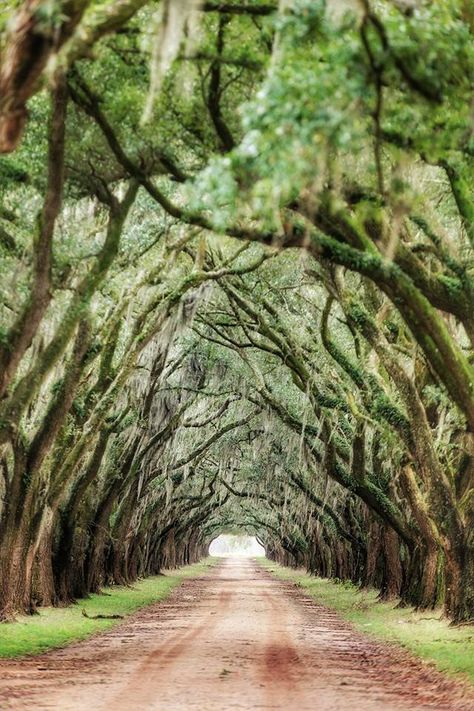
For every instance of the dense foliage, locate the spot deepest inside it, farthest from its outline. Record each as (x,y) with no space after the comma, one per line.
(237,291)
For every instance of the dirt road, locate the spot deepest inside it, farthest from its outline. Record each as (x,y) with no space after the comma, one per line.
(233,639)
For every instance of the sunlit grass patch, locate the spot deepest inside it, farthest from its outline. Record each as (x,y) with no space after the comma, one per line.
(55,627)
(426,634)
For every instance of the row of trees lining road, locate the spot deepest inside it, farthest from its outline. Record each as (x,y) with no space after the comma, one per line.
(237,292)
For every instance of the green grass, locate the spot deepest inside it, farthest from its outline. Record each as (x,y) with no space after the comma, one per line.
(56,627)
(425,634)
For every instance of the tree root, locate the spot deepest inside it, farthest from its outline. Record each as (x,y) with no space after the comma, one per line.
(463,623)
(102,617)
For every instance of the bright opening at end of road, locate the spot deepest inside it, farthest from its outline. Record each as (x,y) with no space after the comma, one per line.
(233,545)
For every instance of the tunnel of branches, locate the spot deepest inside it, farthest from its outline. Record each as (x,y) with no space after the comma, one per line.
(239,297)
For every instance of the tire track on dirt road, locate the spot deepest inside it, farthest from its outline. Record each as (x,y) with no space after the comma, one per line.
(236,638)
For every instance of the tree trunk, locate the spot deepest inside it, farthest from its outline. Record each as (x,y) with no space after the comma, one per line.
(393,574)
(14,596)
(46,589)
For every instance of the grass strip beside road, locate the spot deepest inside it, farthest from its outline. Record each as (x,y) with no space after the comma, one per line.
(57,626)
(425,634)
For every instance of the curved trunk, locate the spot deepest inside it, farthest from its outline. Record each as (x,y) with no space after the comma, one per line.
(432,548)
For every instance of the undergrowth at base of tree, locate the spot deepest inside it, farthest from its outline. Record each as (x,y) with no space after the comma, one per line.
(56,627)
(426,634)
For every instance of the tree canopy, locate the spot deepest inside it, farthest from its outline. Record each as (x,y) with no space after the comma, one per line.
(237,291)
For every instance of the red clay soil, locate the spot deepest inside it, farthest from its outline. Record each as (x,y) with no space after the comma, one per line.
(234,639)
